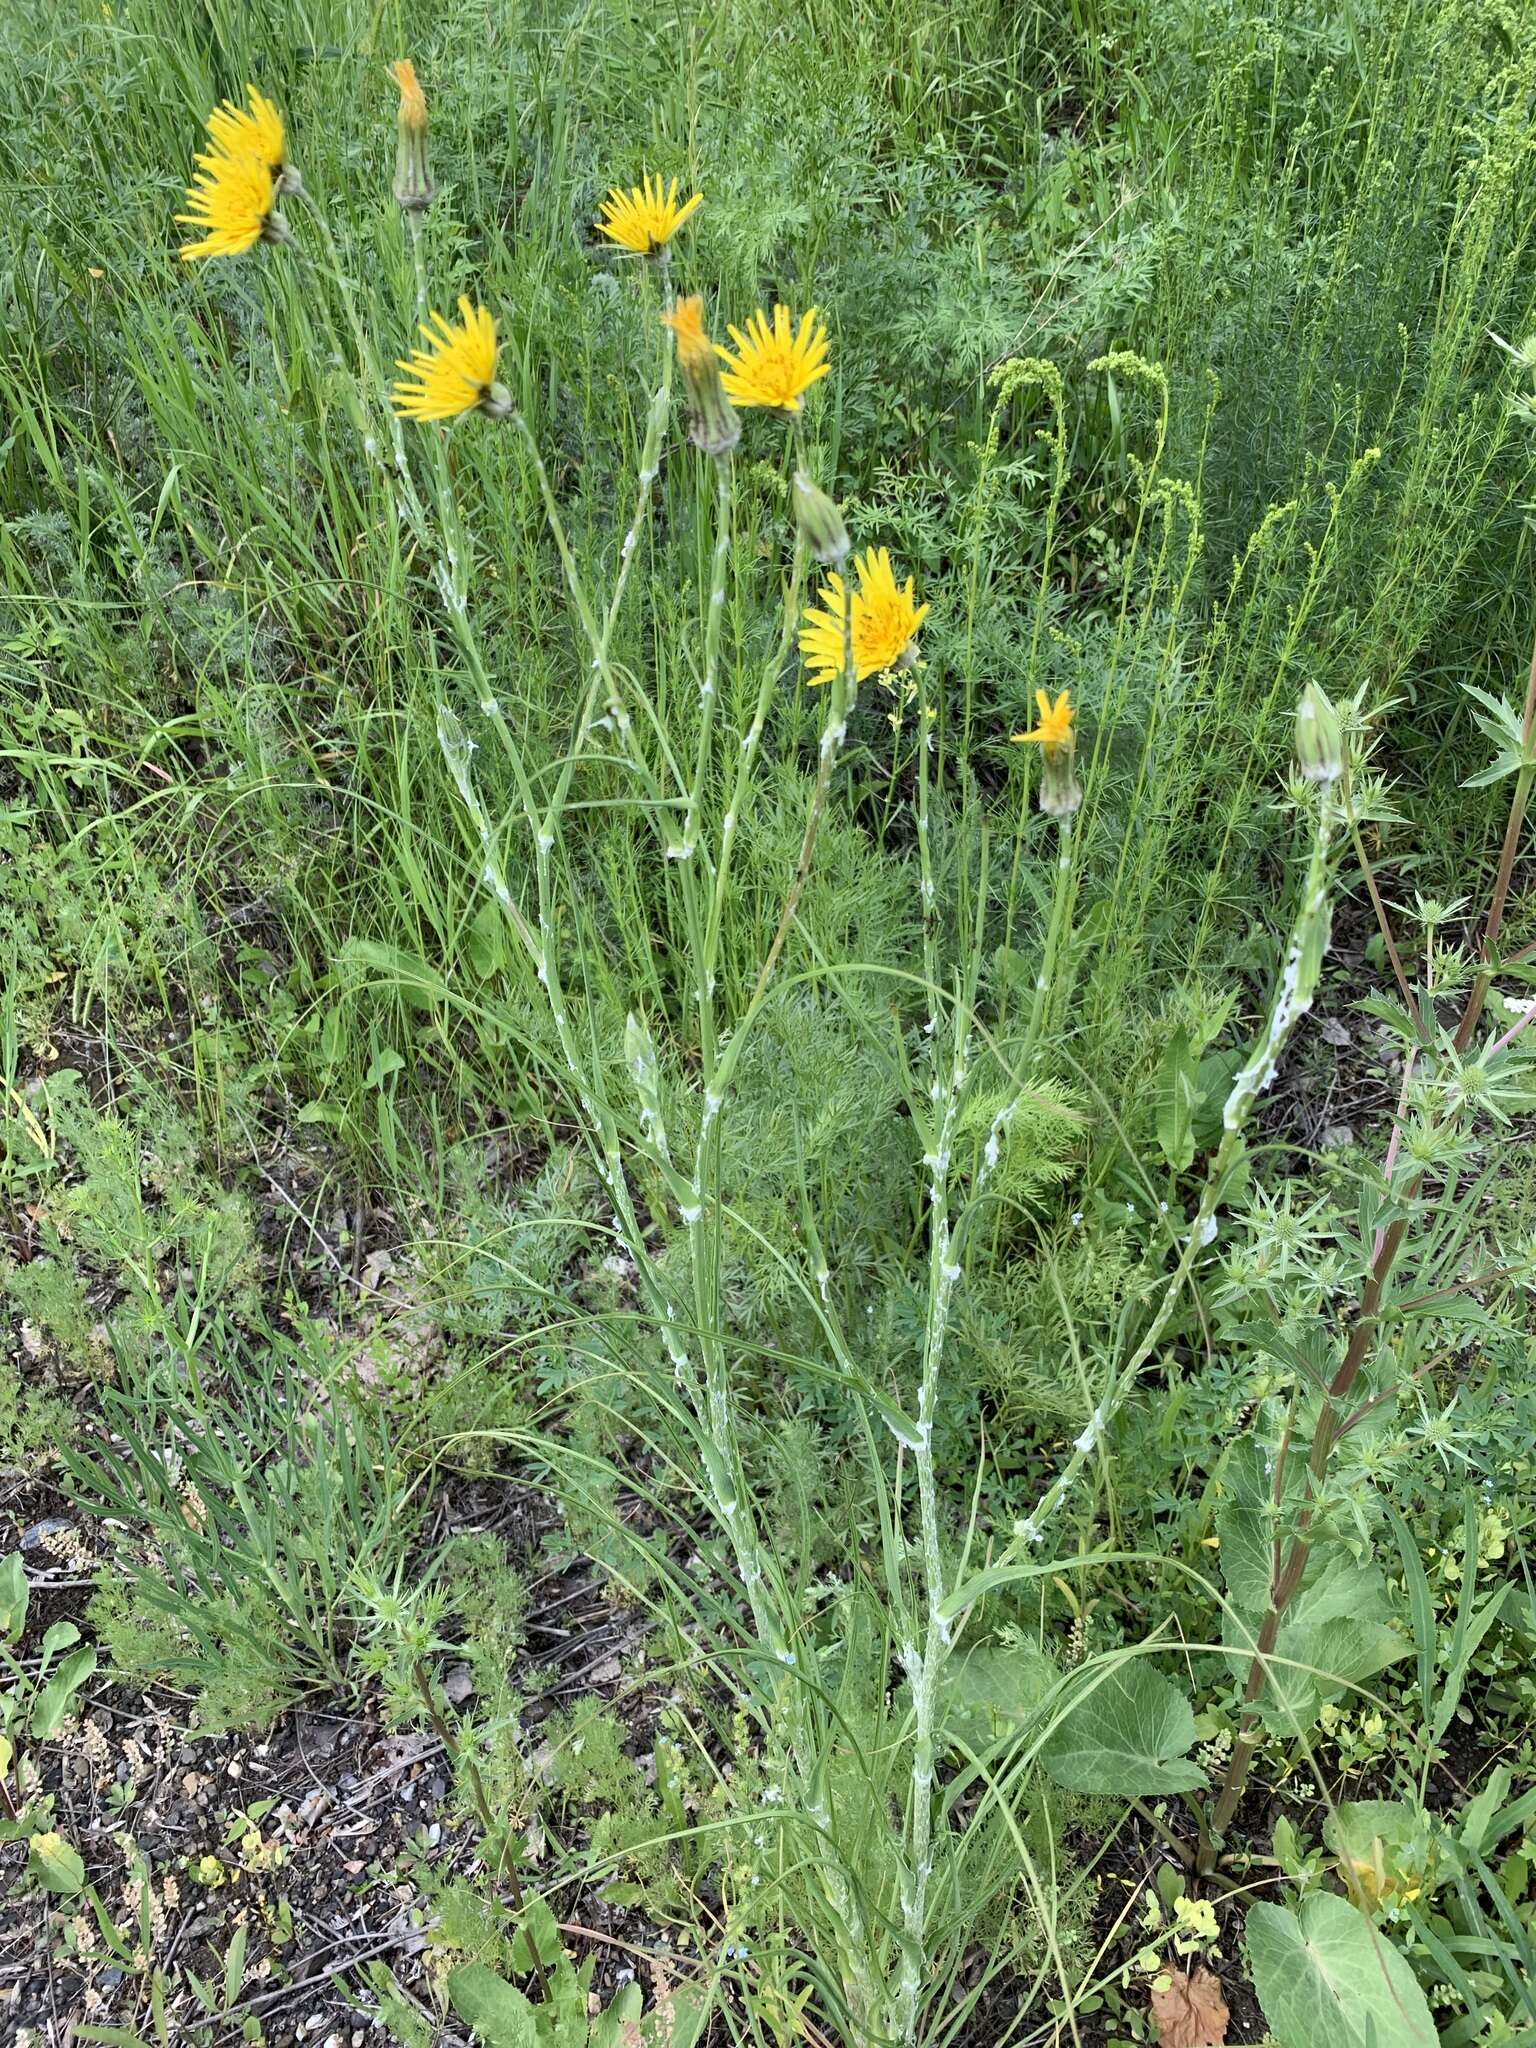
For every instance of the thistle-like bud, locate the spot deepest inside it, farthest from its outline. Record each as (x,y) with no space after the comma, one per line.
(713,426)
(820,523)
(413,181)
(1319,739)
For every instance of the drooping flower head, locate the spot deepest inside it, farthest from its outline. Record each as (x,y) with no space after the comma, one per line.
(256,132)
(885,619)
(714,426)
(413,181)
(234,201)
(456,371)
(646,217)
(775,365)
(1056,737)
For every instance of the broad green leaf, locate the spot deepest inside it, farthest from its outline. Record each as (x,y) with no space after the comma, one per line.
(57,1638)
(485,941)
(52,1703)
(1335,1633)
(496,2013)
(679,2023)
(386,1061)
(13,1597)
(407,974)
(1131,1735)
(618,2024)
(1477,1818)
(1327,1979)
(990,1692)
(1176,1098)
(539,1933)
(55,1864)
(234,1966)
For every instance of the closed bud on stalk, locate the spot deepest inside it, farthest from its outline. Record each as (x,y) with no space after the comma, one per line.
(414,190)
(713,427)
(1319,739)
(820,523)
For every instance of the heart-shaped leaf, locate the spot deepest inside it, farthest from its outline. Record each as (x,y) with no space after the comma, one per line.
(991,1692)
(1327,1979)
(1130,1735)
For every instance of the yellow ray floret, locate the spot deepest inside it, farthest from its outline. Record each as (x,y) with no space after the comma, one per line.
(1055,722)
(694,348)
(257,133)
(775,365)
(646,217)
(885,620)
(413,101)
(455,372)
(233,199)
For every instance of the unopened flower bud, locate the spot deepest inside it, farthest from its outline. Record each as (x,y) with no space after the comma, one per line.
(713,426)
(413,181)
(1319,740)
(820,523)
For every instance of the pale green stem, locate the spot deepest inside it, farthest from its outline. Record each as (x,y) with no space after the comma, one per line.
(924,1667)
(1061,896)
(842,693)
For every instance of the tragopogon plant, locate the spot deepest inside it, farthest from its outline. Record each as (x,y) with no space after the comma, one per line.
(871,1850)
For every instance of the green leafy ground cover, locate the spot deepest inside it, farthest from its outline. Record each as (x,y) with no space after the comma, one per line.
(675,1369)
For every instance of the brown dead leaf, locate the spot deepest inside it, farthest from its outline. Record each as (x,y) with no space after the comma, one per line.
(1191,2013)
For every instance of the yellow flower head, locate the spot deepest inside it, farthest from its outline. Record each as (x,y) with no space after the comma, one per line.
(714,426)
(234,200)
(413,101)
(775,366)
(257,134)
(1055,729)
(686,320)
(456,372)
(646,217)
(885,620)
